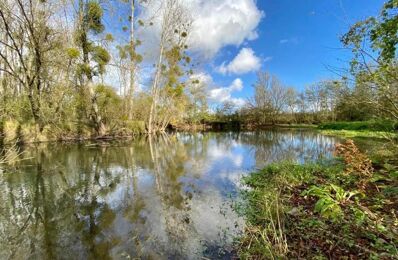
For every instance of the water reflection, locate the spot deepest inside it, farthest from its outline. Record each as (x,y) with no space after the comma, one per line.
(167,197)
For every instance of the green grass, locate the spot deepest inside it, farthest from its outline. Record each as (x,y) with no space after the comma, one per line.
(315,210)
(373,125)
(360,134)
(383,129)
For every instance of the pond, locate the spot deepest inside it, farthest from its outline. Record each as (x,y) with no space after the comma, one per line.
(164,198)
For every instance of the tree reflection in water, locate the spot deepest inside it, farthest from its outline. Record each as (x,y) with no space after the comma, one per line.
(163,197)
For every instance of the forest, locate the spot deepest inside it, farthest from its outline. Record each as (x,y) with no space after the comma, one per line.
(56,55)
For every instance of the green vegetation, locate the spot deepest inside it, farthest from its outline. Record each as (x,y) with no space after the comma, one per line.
(366,91)
(57,61)
(361,129)
(344,207)
(379,126)
(360,134)
(63,76)
(53,76)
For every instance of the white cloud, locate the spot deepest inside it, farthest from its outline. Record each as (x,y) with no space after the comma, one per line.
(224,94)
(293,40)
(203,78)
(246,61)
(218,94)
(239,102)
(267,59)
(216,24)
(237,85)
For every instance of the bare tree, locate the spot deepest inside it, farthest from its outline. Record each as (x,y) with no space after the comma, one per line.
(260,102)
(26,47)
(278,97)
(174,26)
(291,102)
(133,65)
(270,97)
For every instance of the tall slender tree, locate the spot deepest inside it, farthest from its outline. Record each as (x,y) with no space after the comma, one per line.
(94,57)
(174,26)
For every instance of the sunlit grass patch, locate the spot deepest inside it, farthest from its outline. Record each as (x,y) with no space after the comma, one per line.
(360,134)
(372,125)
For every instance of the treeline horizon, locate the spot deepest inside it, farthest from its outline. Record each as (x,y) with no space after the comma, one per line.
(54,56)
(324,101)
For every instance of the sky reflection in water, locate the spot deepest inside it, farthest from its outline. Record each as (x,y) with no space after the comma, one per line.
(154,199)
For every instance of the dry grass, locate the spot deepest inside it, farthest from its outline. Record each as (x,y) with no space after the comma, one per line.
(10,155)
(267,239)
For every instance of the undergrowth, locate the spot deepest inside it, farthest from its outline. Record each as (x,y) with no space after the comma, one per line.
(344,208)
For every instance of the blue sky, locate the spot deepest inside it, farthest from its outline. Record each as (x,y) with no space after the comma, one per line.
(296,39)
(292,39)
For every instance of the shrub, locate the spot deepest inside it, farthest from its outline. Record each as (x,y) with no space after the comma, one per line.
(135,127)
(109,103)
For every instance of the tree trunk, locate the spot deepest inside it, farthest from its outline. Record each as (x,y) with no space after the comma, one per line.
(132,63)
(35,109)
(95,114)
(154,91)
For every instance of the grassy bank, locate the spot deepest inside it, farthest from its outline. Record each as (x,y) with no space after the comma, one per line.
(341,208)
(360,134)
(377,126)
(12,131)
(364,129)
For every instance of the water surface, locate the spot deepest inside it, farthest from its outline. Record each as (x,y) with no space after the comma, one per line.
(168,198)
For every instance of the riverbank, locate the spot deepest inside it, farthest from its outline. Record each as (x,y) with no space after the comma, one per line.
(360,134)
(371,125)
(382,129)
(12,131)
(335,208)
(289,126)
